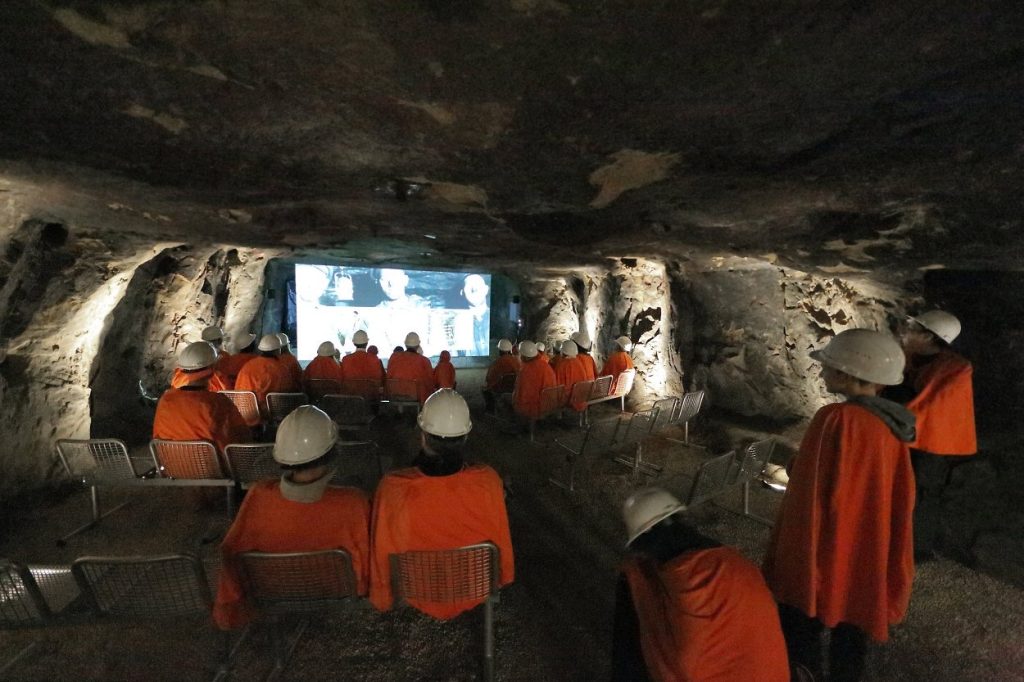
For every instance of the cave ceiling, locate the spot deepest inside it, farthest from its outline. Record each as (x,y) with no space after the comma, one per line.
(845,136)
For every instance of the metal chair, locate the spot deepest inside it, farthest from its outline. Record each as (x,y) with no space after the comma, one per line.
(601,390)
(714,477)
(143,588)
(552,401)
(96,462)
(349,412)
(580,393)
(193,463)
(402,393)
(598,438)
(752,464)
(286,583)
(280,405)
(33,597)
(252,463)
(638,427)
(666,410)
(453,575)
(687,409)
(622,386)
(357,450)
(318,388)
(247,405)
(367,389)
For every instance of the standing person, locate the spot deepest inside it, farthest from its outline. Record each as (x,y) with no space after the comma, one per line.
(444,372)
(266,374)
(938,389)
(442,502)
(233,364)
(506,364)
(534,377)
(301,512)
(688,608)
(323,366)
(290,361)
(841,553)
(571,371)
(618,361)
(411,366)
(583,344)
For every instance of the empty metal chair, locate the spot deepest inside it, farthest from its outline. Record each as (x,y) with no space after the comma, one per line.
(687,409)
(193,463)
(637,428)
(318,388)
(96,462)
(752,464)
(622,386)
(714,476)
(601,389)
(666,411)
(280,405)
(552,401)
(356,452)
(286,583)
(349,412)
(580,394)
(252,462)
(33,597)
(245,402)
(598,437)
(447,576)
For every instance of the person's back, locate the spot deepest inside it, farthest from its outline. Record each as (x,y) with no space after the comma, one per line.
(589,366)
(363,366)
(290,361)
(322,367)
(264,375)
(192,413)
(943,404)
(570,372)
(505,364)
(444,372)
(534,377)
(231,364)
(618,361)
(409,365)
(218,381)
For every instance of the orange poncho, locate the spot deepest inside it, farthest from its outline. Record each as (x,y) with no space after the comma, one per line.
(264,375)
(534,377)
(944,405)
(412,366)
(231,365)
(218,382)
(505,364)
(196,414)
(413,511)
(569,372)
(321,367)
(589,366)
(362,365)
(616,363)
(707,615)
(444,373)
(842,549)
(268,522)
(294,369)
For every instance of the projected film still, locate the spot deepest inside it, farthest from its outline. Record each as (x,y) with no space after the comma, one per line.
(449,310)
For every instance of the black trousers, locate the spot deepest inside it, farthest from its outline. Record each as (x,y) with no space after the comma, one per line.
(931,472)
(847,646)
(627,657)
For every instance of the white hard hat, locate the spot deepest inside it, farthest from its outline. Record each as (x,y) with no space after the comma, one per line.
(865,354)
(325,349)
(569,349)
(412,339)
(527,349)
(940,323)
(540,347)
(360,338)
(625,343)
(213,333)
(581,339)
(645,508)
(269,342)
(283,338)
(504,345)
(244,340)
(306,434)
(198,355)
(445,414)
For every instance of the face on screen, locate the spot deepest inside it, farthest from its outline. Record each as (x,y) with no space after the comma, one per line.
(475,290)
(393,283)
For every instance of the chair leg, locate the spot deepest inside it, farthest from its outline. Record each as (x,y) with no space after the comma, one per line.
(97,516)
(489,640)
(283,647)
(17,657)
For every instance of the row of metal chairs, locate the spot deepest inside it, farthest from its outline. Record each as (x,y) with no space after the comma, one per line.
(553,400)
(279,584)
(280,405)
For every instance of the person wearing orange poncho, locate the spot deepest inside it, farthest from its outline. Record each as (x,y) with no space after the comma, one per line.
(841,552)
(323,366)
(214,336)
(363,365)
(583,345)
(444,372)
(217,381)
(439,503)
(688,608)
(618,361)
(506,364)
(937,389)
(231,365)
(193,412)
(542,353)
(556,354)
(266,374)
(301,512)
(290,361)
(534,377)
(411,366)
(570,371)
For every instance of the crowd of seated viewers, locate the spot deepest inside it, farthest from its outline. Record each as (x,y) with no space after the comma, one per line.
(840,560)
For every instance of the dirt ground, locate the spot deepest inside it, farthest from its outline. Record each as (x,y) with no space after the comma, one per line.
(553,623)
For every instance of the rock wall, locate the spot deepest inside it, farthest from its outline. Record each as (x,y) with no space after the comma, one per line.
(751,326)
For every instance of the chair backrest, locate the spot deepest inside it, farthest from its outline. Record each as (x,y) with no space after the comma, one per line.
(252,462)
(445,576)
(602,387)
(346,410)
(552,399)
(402,390)
(623,383)
(639,425)
(245,402)
(102,459)
(144,586)
(506,383)
(21,601)
(280,405)
(581,391)
(689,406)
(318,388)
(298,581)
(600,436)
(712,478)
(665,411)
(368,389)
(754,459)
(187,459)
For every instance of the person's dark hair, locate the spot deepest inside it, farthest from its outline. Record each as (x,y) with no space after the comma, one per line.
(361,345)
(323,460)
(271,353)
(444,458)
(398,349)
(671,537)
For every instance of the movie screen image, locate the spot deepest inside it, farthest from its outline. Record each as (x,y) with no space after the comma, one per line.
(449,310)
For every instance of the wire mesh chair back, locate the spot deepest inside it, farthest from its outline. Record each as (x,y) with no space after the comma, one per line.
(280,405)
(298,581)
(97,459)
(602,387)
(623,383)
(21,601)
(252,462)
(754,459)
(246,404)
(445,576)
(665,411)
(144,587)
(187,459)
(552,400)
(689,406)
(346,410)
(318,388)
(580,392)
(367,389)
(506,383)
(639,425)
(403,390)
(712,478)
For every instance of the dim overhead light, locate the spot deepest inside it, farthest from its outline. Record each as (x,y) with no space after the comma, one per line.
(430,236)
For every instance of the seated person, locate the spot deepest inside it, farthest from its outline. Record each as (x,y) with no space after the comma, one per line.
(688,608)
(192,411)
(618,361)
(266,374)
(232,364)
(216,380)
(410,365)
(542,352)
(214,336)
(444,372)
(361,364)
(570,371)
(289,360)
(323,366)
(507,363)
(301,512)
(583,344)
(534,377)
(440,503)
